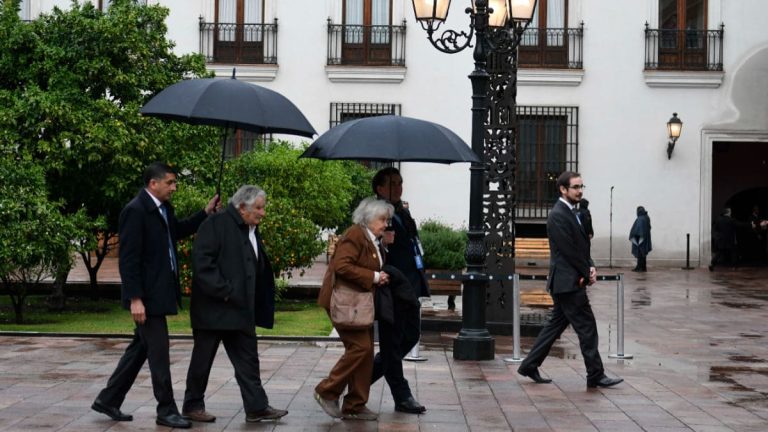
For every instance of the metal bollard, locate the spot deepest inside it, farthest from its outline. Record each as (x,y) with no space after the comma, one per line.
(516,358)
(413,354)
(620,321)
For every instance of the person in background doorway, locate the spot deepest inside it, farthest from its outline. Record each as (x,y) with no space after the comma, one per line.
(640,237)
(724,236)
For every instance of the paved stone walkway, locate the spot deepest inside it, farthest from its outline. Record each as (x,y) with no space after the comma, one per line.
(701,364)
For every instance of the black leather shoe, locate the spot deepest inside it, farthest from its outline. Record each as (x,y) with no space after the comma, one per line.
(604,382)
(534,375)
(113,413)
(410,406)
(173,421)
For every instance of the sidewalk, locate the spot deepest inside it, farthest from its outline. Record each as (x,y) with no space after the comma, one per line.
(701,364)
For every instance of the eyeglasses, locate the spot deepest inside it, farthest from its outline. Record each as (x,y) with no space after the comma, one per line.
(578,187)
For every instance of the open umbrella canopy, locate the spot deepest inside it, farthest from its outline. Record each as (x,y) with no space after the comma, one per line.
(391,138)
(230,103)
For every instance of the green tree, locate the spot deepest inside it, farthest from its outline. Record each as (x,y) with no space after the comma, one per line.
(304,196)
(37,240)
(71,86)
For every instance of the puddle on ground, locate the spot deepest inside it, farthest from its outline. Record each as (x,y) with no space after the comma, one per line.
(746,359)
(639,298)
(750,335)
(722,374)
(740,305)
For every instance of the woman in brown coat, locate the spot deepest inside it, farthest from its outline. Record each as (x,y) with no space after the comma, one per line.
(358,262)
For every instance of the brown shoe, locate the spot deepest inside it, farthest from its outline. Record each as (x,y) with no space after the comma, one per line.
(267,413)
(363,414)
(199,415)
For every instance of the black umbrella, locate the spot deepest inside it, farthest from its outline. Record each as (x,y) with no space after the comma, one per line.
(230,103)
(391,138)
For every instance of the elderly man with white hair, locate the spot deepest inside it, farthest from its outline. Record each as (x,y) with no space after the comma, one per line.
(233,291)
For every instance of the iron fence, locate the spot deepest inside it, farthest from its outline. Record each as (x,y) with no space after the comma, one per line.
(233,43)
(684,49)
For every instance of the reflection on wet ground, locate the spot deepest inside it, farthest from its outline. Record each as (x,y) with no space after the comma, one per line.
(700,364)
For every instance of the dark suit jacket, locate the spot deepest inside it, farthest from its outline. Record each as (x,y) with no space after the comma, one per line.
(231,289)
(355,260)
(145,268)
(568,250)
(400,254)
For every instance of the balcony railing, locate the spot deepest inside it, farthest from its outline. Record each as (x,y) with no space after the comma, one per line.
(366,45)
(555,48)
(238,43)
(684,50)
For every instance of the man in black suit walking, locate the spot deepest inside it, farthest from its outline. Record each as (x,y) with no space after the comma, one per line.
(571,270)
(404,253)
(148,266)
(233,291)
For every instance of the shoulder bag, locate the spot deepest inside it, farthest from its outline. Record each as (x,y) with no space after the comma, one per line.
(351,309)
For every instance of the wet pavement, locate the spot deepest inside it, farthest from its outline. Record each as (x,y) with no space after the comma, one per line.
(700,364)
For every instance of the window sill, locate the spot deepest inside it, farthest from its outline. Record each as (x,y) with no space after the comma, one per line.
(683,79)
(250,73)
(366,74)
(549,77)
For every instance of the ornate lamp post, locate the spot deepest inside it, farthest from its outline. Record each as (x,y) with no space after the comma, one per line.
(496,30)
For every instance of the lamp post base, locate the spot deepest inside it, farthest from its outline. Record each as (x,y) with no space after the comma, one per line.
(477,345)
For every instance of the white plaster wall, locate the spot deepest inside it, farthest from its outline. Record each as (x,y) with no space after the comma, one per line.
(622,121)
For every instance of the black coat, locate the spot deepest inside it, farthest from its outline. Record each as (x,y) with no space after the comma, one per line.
(145,267)
(231,289)
(640,234)
(396,296)
(569,259)
(401,254)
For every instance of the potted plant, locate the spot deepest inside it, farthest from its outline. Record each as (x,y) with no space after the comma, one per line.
(444,249)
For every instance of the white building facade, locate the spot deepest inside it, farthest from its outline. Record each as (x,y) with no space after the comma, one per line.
(597,83)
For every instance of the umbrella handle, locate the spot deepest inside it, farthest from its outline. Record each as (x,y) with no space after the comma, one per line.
(223,154)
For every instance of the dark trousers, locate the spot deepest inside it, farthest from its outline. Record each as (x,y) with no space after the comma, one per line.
(395,341)
(150,342)
(242,350)
(570,308)
(352,371)
(641,263)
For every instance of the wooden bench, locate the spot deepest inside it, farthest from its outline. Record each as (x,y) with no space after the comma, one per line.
(532,248)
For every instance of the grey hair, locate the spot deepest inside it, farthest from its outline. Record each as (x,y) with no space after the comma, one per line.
(247,195)
(370,209)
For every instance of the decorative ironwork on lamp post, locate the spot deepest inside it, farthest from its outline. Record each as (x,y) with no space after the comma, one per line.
(497,32)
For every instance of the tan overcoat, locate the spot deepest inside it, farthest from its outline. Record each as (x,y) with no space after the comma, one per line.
(355,260)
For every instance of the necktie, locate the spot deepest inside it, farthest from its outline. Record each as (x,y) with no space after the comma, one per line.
(171,253)
(576,213)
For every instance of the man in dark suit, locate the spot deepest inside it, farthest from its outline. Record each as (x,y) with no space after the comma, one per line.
(233,290)
(571,270)
(148,266)
(404,253)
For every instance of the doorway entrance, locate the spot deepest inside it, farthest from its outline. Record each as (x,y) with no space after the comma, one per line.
(740,182)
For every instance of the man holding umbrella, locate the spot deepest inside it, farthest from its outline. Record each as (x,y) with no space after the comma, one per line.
(149,273)
(404,253)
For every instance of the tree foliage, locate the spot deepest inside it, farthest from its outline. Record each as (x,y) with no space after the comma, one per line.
(36,239)
(303,197)
(71,86)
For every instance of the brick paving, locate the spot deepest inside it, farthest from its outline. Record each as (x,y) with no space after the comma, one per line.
(699,341)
